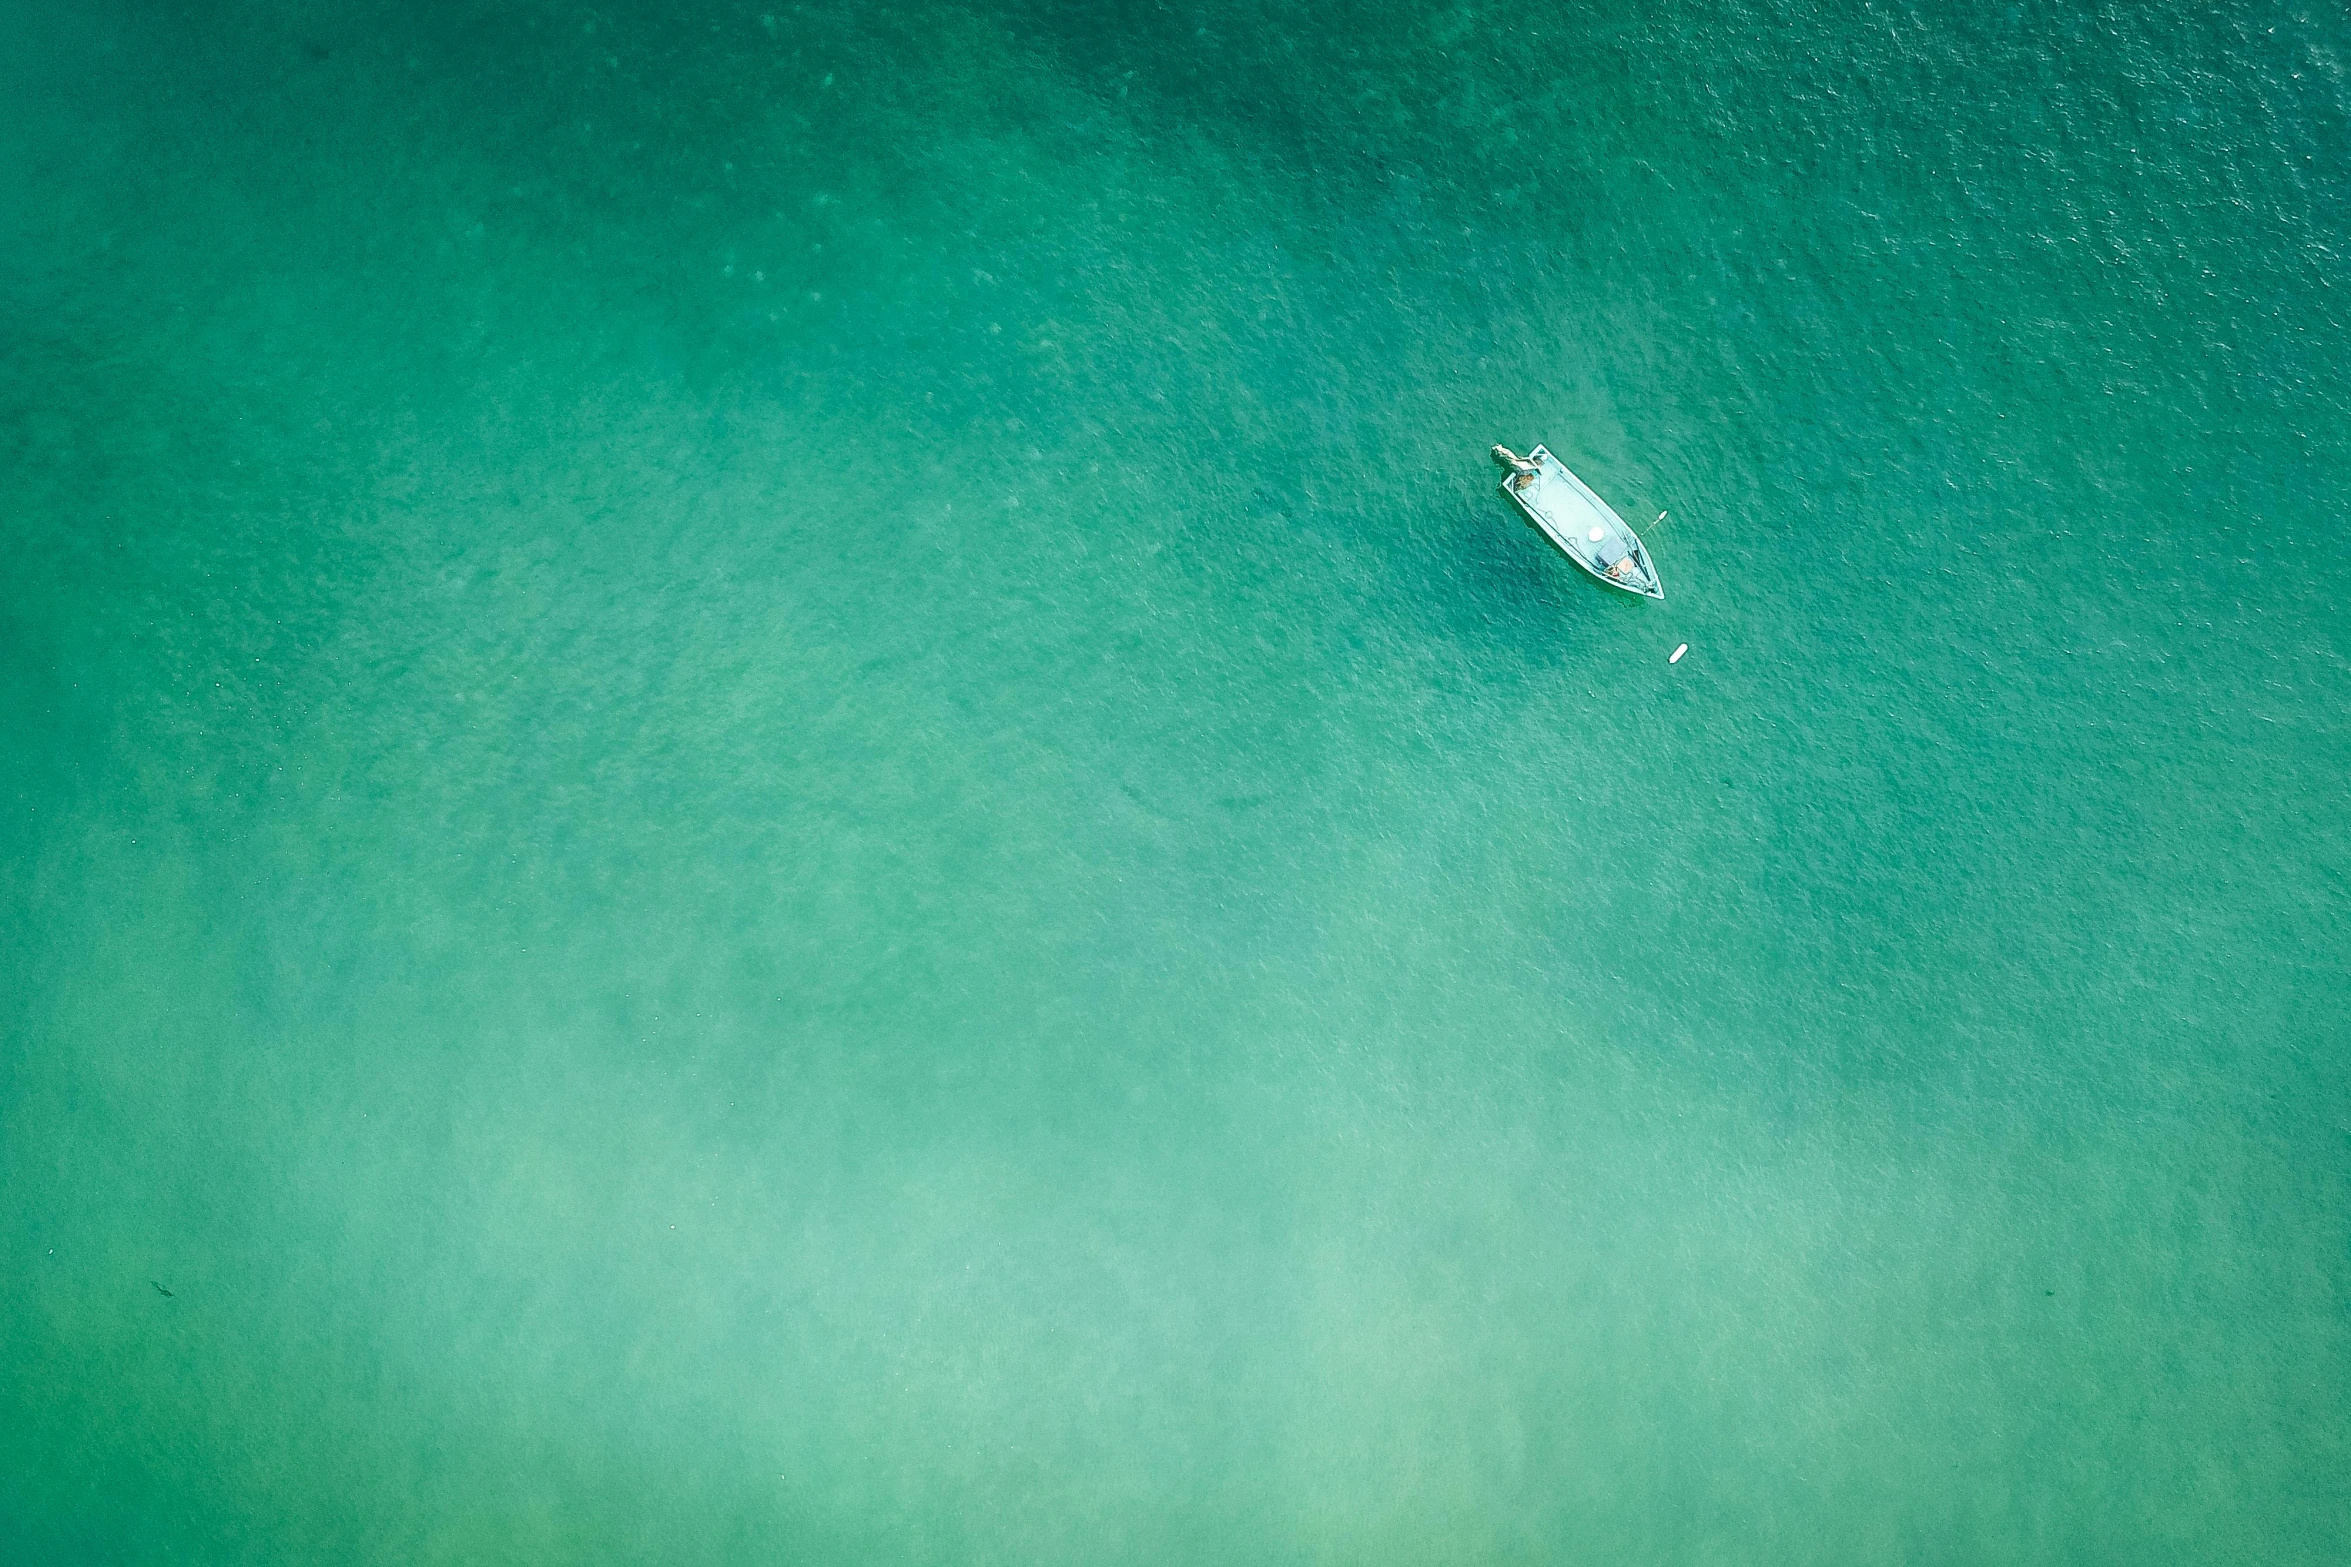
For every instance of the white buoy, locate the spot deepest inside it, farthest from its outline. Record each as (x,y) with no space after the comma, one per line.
(1678,652)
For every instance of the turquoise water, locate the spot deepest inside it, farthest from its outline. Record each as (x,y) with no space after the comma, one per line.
(780,785)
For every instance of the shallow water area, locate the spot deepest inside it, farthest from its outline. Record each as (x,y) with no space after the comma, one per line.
(782,784)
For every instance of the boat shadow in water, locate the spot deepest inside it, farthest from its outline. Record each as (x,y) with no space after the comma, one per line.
(1492,598)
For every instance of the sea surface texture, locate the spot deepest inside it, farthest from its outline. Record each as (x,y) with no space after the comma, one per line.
(777,784)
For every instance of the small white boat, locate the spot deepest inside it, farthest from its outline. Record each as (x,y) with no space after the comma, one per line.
(1583,525)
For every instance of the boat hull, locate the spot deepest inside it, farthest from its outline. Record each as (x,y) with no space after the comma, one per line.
(1585,528)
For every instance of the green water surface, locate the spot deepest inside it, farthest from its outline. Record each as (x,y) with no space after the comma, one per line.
(777,785)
